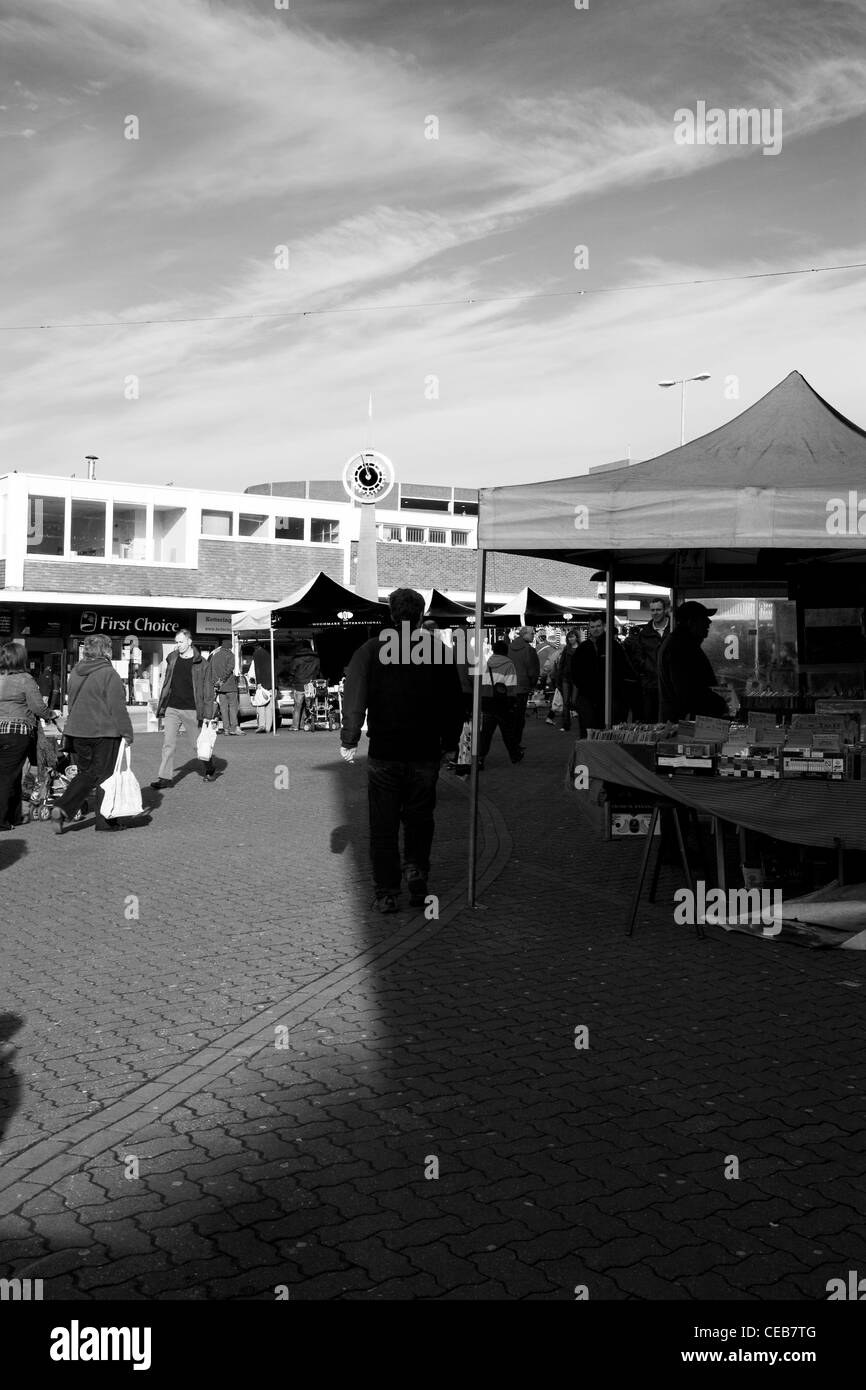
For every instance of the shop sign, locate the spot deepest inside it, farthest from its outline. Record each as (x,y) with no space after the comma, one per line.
(5,621)
(213,624)
(690,568)
(156,625)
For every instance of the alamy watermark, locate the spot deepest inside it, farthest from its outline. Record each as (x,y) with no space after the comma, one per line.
(720,907)
(737,126)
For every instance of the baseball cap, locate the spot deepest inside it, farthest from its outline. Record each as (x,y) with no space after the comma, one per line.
(692,609)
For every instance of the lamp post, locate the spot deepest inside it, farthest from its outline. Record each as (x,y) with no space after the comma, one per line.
(681,381)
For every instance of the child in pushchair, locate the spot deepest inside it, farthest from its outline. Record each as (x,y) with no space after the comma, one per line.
(50,776)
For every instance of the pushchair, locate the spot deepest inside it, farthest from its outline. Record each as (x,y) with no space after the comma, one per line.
(323,706)
(48,780)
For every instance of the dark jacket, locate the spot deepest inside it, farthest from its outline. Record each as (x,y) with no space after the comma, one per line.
(222,669)
(304,667)
(686,679)
(262,666)
(97,702)
(414,712)
(642,647)
(20,698)
(202,684)
(526,664)
(563,667)
(588,675)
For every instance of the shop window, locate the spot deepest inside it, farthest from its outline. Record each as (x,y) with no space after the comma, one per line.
(438,537)
(129,532)
(459,537)
(289,528)
(216,523)
(323,529)
(46,520)
(393,533)
(415,535)
(424,504)
(169,535)
(251,525)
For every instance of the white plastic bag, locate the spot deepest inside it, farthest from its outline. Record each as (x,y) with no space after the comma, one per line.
(122,792)
(556,702)
(262,697)
(207,738)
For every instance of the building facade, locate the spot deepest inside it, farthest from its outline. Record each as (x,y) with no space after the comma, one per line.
(137,561)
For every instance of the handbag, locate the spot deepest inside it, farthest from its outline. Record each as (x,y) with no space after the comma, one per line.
(122,792)
(204,745)
(262,697)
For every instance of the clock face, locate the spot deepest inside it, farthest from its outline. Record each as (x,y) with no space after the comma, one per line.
(368,477)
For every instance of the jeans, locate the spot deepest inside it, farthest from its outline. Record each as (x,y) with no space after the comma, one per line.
(499,716)
(13,753)
(172,721)
(400,792)
(521,699)
(229,711)
(95,759)
(299,709)
(569,695)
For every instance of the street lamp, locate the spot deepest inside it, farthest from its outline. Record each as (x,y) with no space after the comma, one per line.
(681,381)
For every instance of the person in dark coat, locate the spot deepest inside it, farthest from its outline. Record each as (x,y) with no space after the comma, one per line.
(528,667)
(186,700)
(96,724)
(414,712)
(643,646)
(262,672)
(304,668)
(225,684)
(21,705)
(588,675)
(563,678)
(686,678)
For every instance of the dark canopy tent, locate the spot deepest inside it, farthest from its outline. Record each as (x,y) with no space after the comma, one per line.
(776,496)
(440,607)
(531,607)
(322,600)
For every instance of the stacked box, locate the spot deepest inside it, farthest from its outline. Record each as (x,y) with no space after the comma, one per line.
(754,760)
(812,762)
(691,758)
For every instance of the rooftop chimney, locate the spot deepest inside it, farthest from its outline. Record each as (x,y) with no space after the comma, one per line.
(92,460)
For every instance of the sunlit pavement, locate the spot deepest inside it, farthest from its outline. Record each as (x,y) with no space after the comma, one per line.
(232,1078)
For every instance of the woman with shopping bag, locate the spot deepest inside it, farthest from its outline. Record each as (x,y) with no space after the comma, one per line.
(97,725)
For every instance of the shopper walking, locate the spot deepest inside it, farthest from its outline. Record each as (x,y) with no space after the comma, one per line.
(642,645)
(563,679)
(499,704)
(21,705)
(588,665)
(527,667)
(185,701)
(304,669)
(225,683)
(414,712)
(97,723)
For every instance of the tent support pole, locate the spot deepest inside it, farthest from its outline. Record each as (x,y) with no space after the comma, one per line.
(608,645)
(273,684)
(475,676)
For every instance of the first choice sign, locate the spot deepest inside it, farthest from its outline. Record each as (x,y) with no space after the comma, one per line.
(138,624)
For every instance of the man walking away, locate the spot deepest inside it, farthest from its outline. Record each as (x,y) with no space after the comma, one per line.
(414,712)
(186,699)
(225,684)
(304,669)
(262,673)
(499,703)
(642,646)
(528,667)
(686,678)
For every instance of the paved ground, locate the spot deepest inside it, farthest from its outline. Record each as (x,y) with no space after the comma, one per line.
(229,1076)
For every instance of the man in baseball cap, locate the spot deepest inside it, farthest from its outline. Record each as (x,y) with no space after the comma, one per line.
(686,678)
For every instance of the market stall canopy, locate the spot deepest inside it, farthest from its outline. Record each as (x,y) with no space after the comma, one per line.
(787,475)
(320,600)
(439,606)
(528,606)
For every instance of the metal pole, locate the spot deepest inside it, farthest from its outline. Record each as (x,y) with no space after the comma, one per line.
(475,676)
(273,684)
(683,416)
(608,646)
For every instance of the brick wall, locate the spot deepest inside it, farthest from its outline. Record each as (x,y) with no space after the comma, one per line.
(225,569)
(454,567)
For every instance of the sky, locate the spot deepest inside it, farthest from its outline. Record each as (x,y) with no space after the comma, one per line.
(430,170)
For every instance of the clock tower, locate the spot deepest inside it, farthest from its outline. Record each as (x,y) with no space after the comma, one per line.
(368,478)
